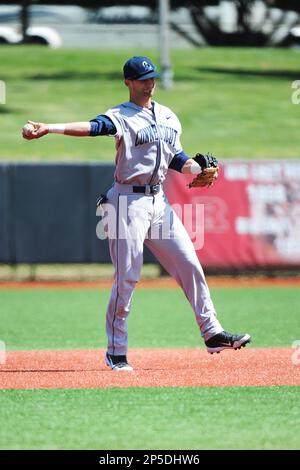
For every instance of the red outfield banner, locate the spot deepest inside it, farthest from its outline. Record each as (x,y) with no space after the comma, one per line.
(251,215)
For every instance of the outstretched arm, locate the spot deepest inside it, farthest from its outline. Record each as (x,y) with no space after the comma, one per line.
(35,130)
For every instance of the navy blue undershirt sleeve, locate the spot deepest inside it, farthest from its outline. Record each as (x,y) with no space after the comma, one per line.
(102,125)
(178,161)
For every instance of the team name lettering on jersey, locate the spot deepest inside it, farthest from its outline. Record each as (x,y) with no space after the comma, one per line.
(156,132)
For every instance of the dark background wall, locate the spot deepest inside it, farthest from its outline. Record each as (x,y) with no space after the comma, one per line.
(48,213)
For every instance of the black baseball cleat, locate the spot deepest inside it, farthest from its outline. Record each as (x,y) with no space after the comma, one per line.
(117,363)
(225,340)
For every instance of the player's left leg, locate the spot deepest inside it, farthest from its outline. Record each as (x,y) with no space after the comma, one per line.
(175,251)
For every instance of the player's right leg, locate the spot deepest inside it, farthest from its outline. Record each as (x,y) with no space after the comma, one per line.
(126,250)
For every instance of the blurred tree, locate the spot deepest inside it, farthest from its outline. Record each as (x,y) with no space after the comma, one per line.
(256,23)
(271,26)
(285,4)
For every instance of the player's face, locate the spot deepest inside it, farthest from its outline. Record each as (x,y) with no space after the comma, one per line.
(141,89)
(146,87)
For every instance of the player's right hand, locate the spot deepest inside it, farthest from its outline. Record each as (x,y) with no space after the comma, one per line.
(37,130)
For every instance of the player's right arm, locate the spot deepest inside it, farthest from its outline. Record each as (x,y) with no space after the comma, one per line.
(76,129)
(101,125)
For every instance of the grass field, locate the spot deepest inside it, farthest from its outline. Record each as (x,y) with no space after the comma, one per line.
(234,102)
(70,319)
(155,418)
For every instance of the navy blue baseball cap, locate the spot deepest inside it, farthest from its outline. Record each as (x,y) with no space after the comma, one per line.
(139,68)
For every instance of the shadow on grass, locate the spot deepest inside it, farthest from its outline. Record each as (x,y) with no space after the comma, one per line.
(7,110)
(276,74)
(192,74)
(74,75)
(68,75)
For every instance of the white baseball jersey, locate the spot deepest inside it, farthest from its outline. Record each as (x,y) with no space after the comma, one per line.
(146,142)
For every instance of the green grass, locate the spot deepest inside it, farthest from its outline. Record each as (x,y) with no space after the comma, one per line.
(234,102)
(54,319)
(178,418)
(155,418)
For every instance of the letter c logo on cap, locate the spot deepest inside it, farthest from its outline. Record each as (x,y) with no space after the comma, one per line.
(146,65)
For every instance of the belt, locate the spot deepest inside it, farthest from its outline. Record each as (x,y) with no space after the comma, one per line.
(147,189)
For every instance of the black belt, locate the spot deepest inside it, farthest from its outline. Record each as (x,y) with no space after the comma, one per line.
(146,189)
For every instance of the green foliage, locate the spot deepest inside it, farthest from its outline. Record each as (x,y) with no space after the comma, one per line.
(235,103)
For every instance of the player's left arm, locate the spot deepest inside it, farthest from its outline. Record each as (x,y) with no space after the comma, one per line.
(191,167)
(184,164)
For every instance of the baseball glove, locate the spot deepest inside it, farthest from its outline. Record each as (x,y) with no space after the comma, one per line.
(209,173)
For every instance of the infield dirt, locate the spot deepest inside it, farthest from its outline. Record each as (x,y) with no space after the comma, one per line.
(152,368)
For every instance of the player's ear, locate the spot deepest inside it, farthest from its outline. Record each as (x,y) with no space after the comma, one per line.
(126,81)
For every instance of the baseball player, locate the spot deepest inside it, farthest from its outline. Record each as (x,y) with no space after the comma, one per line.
(147,137)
